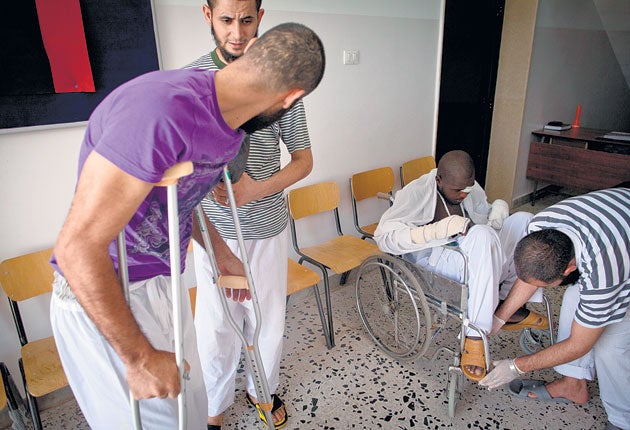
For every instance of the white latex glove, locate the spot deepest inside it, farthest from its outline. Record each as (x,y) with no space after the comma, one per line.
(504,371)
(447,227)
(498,213)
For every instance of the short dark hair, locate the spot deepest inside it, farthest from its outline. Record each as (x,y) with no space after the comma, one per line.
(289,56)
(456,164)
(543,255)
(212,4)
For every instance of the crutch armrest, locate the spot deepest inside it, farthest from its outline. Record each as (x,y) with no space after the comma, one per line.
(175,172)
(233,282)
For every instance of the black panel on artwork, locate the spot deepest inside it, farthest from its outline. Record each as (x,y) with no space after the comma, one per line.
(121,45)
(24,67)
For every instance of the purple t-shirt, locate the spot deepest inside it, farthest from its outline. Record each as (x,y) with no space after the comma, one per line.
(146,126)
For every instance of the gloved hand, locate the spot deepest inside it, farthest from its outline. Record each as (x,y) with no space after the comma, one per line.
(442,229)
(498,213)
(504,371)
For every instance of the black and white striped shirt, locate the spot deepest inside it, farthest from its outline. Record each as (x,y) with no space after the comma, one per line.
(268,216)
(598,224)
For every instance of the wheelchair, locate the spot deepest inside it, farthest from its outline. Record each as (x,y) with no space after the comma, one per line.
(404,307)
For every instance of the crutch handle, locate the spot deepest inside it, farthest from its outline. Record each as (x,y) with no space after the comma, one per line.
(175,172)
(233,282)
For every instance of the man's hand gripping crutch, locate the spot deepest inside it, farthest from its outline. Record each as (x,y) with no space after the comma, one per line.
(240,288)
(169,180)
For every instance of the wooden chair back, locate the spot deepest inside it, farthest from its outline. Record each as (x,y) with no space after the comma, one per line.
(368,184)
(313,199)
(27,276)
(415,168)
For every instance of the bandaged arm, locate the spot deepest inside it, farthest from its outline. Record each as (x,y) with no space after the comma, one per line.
(442,229)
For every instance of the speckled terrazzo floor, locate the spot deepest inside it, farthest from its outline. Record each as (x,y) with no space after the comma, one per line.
(356,386)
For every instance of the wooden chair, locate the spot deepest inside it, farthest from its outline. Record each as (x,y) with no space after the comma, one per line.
(340,254)
(11,398)
(415,168)
(192,292)
(3,392)
(23,278)
(300,277)
(369,184)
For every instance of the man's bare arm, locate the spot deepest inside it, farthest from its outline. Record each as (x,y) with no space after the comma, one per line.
(104,201)
(576,345)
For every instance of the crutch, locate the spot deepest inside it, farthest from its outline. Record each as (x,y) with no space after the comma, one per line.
(169,180)
(252,352)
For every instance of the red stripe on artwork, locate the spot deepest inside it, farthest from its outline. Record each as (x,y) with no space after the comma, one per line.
(61,25)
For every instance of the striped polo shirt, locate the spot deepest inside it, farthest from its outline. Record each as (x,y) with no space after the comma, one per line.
(268,216)
(598,224)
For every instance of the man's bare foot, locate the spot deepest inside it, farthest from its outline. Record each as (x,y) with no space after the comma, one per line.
(475,370)
(567,387)
(277,415)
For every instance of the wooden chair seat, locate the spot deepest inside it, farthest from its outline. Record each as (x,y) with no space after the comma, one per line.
(341,253)
(192,292)
(300,277)
(42,367)
(370,228)
(3,396)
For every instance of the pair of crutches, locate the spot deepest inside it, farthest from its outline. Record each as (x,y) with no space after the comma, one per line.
(252,352)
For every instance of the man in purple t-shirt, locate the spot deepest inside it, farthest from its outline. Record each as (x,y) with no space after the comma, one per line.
(141,129)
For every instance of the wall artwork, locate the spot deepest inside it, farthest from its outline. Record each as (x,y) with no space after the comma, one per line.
(59,59)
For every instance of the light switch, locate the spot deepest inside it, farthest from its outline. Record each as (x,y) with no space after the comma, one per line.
(350,56)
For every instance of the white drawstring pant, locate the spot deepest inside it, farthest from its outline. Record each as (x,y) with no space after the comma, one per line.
(96,374)
(219,346)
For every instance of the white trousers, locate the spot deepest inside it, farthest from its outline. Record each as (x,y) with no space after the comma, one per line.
(490,257)
(95,372)
(609,358)
(219,346)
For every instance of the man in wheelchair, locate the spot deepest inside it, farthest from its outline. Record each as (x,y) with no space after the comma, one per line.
(447,205)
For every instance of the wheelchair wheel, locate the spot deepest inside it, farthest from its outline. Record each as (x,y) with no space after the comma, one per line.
(533,340)
(393,307)
(454,389)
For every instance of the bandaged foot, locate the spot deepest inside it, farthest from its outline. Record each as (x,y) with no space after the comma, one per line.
(498,213)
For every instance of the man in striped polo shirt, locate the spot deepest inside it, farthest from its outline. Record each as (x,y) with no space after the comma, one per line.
(263,216)
(582,241)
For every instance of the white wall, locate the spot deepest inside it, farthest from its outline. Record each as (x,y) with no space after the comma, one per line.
(377,113)
(573,63)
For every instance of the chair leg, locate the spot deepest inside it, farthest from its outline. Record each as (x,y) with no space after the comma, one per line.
(344,278)
(322,317)
(330,341)
(32,401)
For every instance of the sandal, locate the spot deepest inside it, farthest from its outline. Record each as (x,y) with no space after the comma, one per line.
(277,404)
(532,320)
(473,355)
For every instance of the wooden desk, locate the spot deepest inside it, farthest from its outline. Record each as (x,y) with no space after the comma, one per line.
(579,158)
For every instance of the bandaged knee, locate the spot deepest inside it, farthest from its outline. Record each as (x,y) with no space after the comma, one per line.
(445,228)
(498,213)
